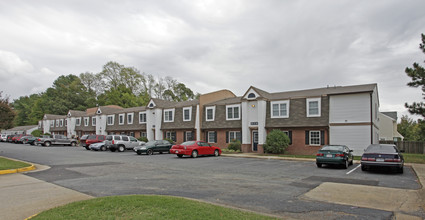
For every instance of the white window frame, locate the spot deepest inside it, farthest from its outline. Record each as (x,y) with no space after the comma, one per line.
(169,111)
(113,119)
(233,111)
(190,113)
(121,116)
(233,133)
(130,122)
(140,118)
(86,121)
(316,138)
(57,122)
(66,122)
(308,101)
(93,121)
(209,136)
(52,123)
(191,135)
(61,123)
(78,121)
(279,105)
(213,113)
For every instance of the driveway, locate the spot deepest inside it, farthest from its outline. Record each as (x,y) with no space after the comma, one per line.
(275,187)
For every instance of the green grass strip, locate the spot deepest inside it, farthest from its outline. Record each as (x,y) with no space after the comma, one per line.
(145,207)
(6,164)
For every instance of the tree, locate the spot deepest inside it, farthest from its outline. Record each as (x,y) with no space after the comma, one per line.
(411,130)
(6,113)
(276,142)
(417,73)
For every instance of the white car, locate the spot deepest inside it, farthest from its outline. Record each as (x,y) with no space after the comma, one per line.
(98,146)
(3,137)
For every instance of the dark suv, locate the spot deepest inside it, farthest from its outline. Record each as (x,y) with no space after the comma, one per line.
(91,139)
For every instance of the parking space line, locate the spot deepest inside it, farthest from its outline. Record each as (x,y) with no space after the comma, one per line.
(353,169)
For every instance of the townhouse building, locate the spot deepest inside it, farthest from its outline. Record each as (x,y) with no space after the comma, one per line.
(311,118)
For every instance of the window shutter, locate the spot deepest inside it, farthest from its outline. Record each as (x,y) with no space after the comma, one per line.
(322,137)
(174,137)
(206,136)
(290,137)
(215,136)
(184,136)
(227,137)
(307,138)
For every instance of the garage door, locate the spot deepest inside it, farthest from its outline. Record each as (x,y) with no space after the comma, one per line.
(356,138)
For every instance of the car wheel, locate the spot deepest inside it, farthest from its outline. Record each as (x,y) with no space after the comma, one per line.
(149,152)
(160,152)
(75,144)
(180,155)
(194,154)
(121,148)
(216,154)
(103,148)
(47,144)
(319,165)
(363,167)
(87,148)
(346,164)
(139,152)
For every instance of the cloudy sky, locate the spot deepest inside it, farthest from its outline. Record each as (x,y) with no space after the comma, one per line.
(275,45)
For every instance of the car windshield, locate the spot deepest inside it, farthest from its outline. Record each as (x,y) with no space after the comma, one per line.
(151,143)
(187,143)
(335,148)
(381,149)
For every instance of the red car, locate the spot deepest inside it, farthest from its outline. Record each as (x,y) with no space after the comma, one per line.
(195,149)
(91,139)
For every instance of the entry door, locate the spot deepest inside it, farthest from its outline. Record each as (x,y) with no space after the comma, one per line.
(254,140)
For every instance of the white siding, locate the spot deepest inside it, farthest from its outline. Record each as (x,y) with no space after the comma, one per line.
(352,108)
(357,138)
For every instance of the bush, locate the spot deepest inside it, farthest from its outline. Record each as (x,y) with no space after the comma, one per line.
(144,139)
(235,145)
(48,134)
(36,133)
(169,140)
(276,142)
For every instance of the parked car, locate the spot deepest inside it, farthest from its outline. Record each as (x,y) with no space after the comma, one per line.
(17,138)
(56,140)
(195,149)
(382,155)
(98,146)
(3,137)
(23,139)
(121,142)
(10,137)
(91,139)
(334,154)
(83,140)
(29,140)
(154,146)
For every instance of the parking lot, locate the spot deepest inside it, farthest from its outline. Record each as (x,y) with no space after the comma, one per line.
(275,187)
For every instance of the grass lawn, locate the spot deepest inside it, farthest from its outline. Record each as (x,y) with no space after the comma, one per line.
(6,164)
(144,207)
(414,158)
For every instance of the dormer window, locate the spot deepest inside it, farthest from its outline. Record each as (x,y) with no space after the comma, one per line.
(251,96)
(151,105)
(99,112)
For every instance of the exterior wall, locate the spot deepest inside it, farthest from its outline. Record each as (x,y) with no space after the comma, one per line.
(356,137)
(46,126)
(386,127)
(220,120)
(158,120)
(351,108)
(178,122)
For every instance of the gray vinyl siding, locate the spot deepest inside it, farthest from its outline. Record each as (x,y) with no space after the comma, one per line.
(298,115)
(178,122)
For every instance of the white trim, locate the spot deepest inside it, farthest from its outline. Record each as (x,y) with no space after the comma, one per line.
(278,103)
(318,100)
(172,115)
(57,123)
(113,119)
(309,138)
(86,121)
(123,119)
(233,107)
(61,123)
(132,118)
(190,113)
(93,121)
(211,132)
(213,113)
(78,120)
(140,118)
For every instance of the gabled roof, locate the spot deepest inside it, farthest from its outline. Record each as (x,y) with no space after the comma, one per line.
(53,117)
(23,128)
(76,113)
(109,109)
(392,115)
(160,103)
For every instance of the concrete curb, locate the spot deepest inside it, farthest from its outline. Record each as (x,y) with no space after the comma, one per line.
(19,170)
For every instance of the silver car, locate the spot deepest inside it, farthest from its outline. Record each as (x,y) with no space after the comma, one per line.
(98,146)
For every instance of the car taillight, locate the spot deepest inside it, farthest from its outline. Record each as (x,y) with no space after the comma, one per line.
(320,154)
(368,159)
(38,140)
(392,160)
(339,155)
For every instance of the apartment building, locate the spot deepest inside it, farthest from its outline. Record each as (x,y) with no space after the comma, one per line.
(311,118)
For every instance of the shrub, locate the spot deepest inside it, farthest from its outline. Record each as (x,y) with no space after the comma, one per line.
(169,140)
(144,139)
(235,145)
(276,142)
(36,133)
(47,134)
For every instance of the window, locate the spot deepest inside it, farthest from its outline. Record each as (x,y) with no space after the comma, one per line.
(131,134)
(170,135)
(93,121)
(142,117)
(187,114)
(313,107)
(110,119)
(61,123)
(233,112)
(188,136)
(130,118)
(210,113)
(125,138)
(143,134)
(52,123)
(233,135)
(169,115)
(251,95)
(66,122)
(314,137)
(121,119)
(211,137)
(279,109)
(57,122)
(86,121)
(78,121)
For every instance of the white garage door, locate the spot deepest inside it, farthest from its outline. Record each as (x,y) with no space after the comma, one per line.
(357,138)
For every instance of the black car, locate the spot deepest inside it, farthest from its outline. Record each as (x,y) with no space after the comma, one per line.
(154,146)
(382,155)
